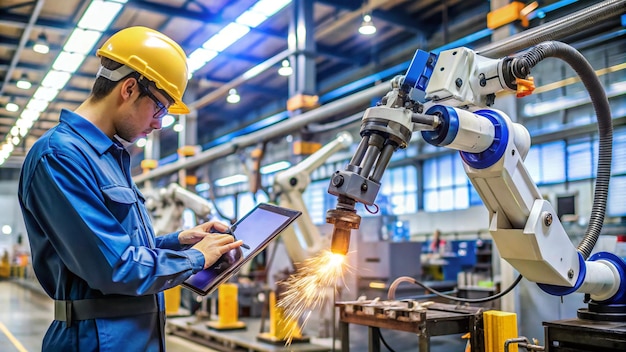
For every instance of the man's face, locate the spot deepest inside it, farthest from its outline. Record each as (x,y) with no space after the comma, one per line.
(145,115)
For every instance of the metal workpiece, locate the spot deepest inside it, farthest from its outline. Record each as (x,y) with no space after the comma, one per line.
(423,319)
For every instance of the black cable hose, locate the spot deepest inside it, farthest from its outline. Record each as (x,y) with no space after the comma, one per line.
(521,68)
(470,300)
(382,339)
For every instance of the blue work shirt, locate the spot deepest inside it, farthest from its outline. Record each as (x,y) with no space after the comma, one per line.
(91,237)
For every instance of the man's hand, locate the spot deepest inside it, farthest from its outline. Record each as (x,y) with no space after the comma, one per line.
(196,234)
(214,245)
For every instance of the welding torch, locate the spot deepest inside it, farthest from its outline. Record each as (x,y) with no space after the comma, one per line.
(384,129)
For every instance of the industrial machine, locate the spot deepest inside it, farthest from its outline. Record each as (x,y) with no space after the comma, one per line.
(460,86)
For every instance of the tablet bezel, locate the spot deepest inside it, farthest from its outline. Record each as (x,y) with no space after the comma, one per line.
(228,273)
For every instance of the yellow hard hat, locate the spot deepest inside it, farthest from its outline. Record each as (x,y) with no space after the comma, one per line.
(155,56)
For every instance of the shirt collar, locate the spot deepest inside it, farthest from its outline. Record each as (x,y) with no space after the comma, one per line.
(90,133)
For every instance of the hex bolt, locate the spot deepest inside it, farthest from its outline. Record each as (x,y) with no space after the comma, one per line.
(458,82)
(570,273)
(547,218)
(337,180)
(364,187)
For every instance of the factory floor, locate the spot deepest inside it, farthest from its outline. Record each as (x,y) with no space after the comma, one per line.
(25,315)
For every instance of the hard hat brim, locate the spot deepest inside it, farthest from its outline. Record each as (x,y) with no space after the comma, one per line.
(178,108)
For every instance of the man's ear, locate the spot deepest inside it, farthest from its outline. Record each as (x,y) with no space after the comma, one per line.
(127,87)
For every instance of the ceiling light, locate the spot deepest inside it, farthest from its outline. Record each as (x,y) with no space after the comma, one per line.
(233,97)
(231,180)
(277,166)
(99,15)
(367,26)
(45,93)
(141,142)
(23,82)
(6,229)
(29,114)
(41,44)
(37,105)
(81,41)
(68,62)
(285,69)
(178,127)
(15,140)
(11,106)
(15,131)
(56,79)
(226,37)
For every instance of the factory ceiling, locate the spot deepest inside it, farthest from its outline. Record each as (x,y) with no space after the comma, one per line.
(340,53)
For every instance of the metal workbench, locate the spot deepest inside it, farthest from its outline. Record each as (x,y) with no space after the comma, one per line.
(435,319)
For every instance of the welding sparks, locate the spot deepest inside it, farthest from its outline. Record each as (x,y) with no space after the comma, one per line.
(309,287)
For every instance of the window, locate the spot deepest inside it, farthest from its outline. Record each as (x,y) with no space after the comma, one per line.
(318,200)
(446,186)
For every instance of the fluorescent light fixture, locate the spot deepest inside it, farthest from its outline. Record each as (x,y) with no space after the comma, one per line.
(24,124)
(367,26)
(231,180)
(37,105)
(23,130)
(8,148)
(141,142)
(45,93)
(29,114)
(253,72)
(99,15)
(81,41)
(199,58)
(251,18)
(226,37)
(23,82)
(56,79)
(167,121)
(278,166)
(201,187)
(285,69)
(68,62)
(12,107)
(269,7)
(233,97)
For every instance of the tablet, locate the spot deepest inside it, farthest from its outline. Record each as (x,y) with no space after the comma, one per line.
(257,229)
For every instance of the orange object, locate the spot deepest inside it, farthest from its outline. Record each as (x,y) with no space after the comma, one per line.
(149,164)
(507,14)
(301,101)
(187,150)
(525,86)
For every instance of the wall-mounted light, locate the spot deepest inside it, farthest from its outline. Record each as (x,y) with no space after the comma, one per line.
(367,26)
(41,44)
(285,69)
(233,97)
(23,82)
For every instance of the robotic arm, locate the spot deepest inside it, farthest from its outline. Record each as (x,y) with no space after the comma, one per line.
(459,85)
(166,206)
(289,186)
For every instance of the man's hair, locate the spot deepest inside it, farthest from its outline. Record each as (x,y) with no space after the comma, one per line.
(103,86)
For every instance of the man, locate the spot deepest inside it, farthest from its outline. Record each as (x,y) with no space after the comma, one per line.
(93,248)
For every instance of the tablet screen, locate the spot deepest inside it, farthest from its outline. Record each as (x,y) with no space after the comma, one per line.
(257,229)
